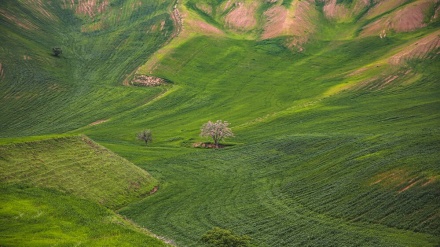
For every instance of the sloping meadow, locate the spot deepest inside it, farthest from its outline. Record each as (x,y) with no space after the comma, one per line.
(59,191)
(42,93)
(76,166)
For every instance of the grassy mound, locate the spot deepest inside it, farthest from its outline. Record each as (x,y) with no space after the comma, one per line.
(77,166)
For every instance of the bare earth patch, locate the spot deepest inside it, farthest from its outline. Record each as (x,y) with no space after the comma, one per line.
(86,7)
(411,183)
(242,17)
(205,28)
(148,81)
(419,49)
(205,8)
(383,6)
(98,122)
(409,18)
(178,22)
(207,145)
(227,5)
(301,23)
(193,25)
(412,17)
(402,180)
(297,22)
(383,81)
(154,190)
(332,10)
(276,22)
(430,181)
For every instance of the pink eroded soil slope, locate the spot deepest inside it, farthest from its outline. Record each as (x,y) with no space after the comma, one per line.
(332,10)
(296,21)
(86,7)
(242,17)
(417,50)
(408,18)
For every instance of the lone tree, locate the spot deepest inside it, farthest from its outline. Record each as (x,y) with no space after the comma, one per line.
(57,51)
(145,136)
(217,131)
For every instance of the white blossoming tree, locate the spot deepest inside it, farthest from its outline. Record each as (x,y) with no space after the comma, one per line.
(217,131)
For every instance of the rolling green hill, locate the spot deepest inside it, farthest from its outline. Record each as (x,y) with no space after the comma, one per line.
(334,104)
(74,180)
(99,175)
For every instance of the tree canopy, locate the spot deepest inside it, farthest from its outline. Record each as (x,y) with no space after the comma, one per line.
(57,51)
(145,136)
(217,131)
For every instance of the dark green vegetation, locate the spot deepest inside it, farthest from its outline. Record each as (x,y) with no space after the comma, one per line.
(335,146)
(225,238)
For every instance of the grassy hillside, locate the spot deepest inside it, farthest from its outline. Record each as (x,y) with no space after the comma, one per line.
(312,164)
(42,183)
(334,104)
(38,89)
(41,217)
(75,165)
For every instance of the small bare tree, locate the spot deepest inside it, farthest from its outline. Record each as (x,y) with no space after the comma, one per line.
(217,131)
(145,136)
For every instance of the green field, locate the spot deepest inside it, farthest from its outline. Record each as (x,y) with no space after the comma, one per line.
(41,217)
(336,144)
(49,164)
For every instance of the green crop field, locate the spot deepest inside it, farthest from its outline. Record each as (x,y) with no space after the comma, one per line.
(49,163)
(335,111)
(41,217)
